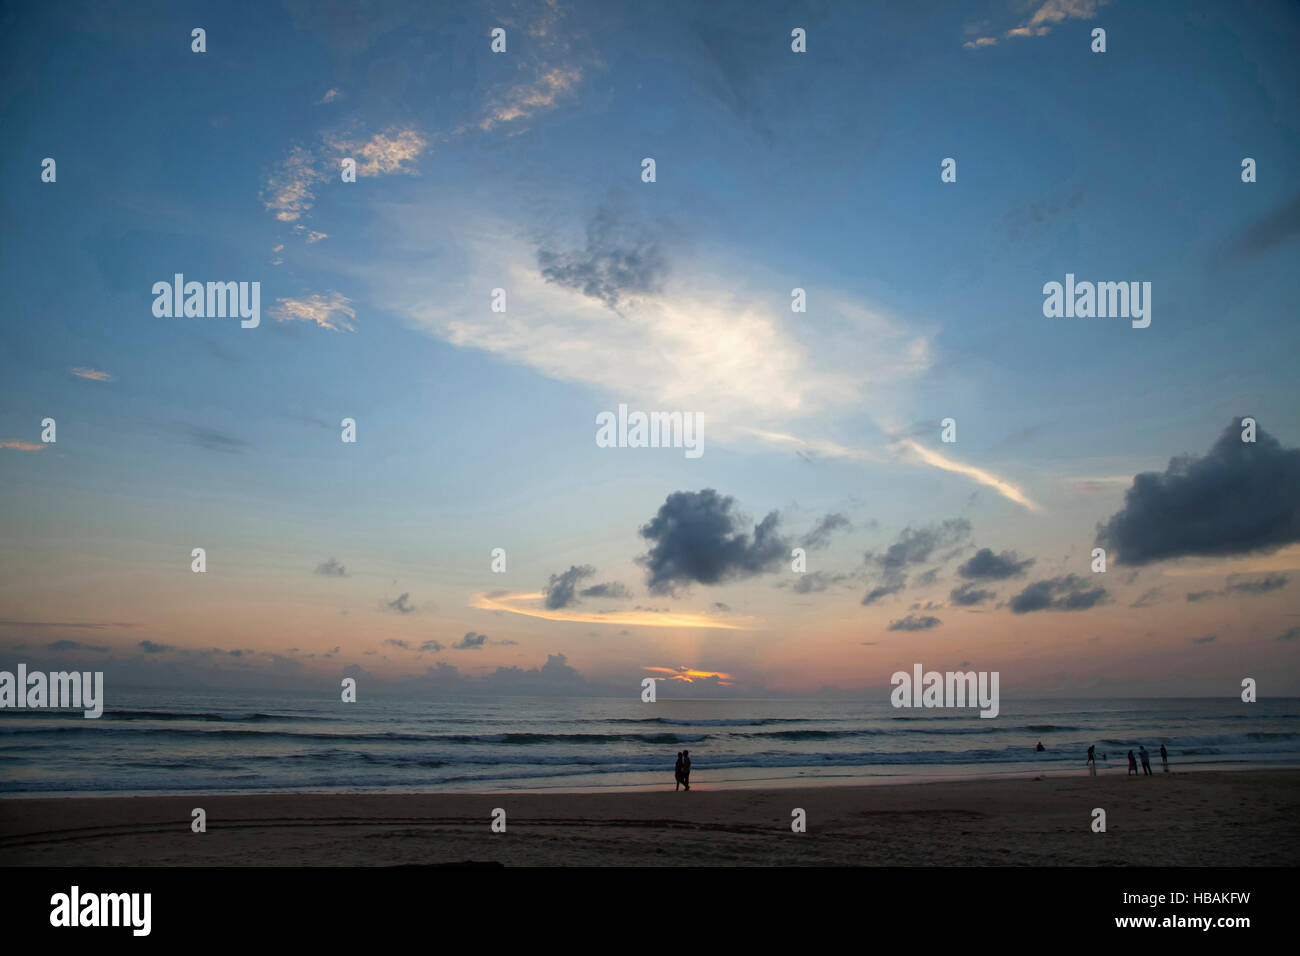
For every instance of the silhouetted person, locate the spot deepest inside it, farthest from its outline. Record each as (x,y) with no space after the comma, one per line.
(1164,757)
(1040,748)
(1132,764)
(686,769)
(1092,759)
(1146,760)
(677,772)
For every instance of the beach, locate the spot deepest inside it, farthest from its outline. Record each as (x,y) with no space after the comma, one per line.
(1200,818)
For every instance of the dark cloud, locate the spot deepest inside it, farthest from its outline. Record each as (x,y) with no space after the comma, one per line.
(1069,593)
(618,262)
(561,590)
(402,605)
(984,565)
(970,594)
(606,589)
(916,546)
(820,536)
(926,578)
(149,647)
(1208,639)
(1271,582)
(884,590)
(1147,599)
(1277,228)
(396,643)
(470,642)
(331,569)
(914,623)
(66,645)
(1241,497)
(817,581)
(214,440)
(698,539)
(1194,596)
(724,608)
(430,646)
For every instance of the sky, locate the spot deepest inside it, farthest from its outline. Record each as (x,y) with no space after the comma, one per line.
(476,429)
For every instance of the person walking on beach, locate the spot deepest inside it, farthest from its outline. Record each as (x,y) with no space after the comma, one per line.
(677,772)
(1132,764)
(1164,757)
(686,769)
(1092,759)
(1146,760)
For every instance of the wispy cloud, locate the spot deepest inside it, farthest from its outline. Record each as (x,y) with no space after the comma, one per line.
(524,99)
(332,311)
(392,151)
(532,604)
(19,445)
(94,375)
(1041,21)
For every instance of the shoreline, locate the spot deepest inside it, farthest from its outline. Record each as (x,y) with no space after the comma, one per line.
(1248,817)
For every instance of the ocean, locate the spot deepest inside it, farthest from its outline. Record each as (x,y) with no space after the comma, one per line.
(172,743)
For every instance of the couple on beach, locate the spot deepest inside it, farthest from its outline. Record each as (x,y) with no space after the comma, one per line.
(1146,760)
(683,769)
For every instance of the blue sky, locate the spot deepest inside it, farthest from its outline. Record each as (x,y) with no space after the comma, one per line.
(775,170)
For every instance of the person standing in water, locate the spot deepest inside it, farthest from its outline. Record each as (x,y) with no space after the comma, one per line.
(1164,757)
(1092,759)
(686,769)
(677,772)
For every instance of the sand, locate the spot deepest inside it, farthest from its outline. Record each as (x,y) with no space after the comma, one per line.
(1246,818)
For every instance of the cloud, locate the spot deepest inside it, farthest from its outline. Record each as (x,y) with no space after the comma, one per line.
(401,605)
(19,445)
(815,582)
(288,192)
(970,594)
(1194,596)
(392,151)
(428,646)
(94,375)
(914,546)
(523,100)
(66,645)
(689,675)
(820,536)
(606,589)
(914,623)
(396,643)
(331,569)
(332,311)
(330,96)
(617,263)
(470,642)
(1208,639)
(1277,228)
(1241,497)
(214,440)
(1069,593)
(639,617)
(1262,585)
(1040,23)
(984,565)
(561,590)
(697,539)
(1290,635)
(1147,599)
(883,590)
(149,647)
